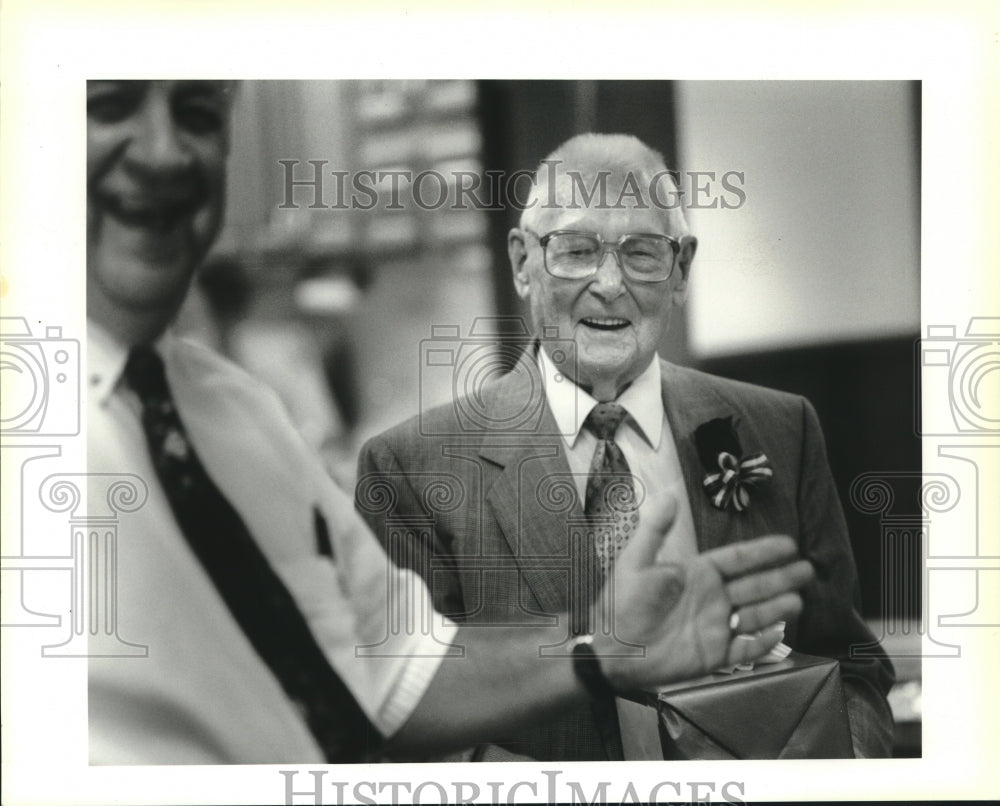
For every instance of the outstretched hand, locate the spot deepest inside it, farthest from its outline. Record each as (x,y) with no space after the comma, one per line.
(680,612)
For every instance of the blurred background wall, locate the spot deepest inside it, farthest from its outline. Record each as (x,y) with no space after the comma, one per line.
(810,284)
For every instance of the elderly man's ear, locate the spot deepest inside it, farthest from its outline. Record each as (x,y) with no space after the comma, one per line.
(689,245)
(517,251)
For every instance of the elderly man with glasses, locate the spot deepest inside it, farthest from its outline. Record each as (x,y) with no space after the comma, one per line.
(564,453)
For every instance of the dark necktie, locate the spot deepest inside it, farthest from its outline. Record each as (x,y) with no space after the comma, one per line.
(611,506)
(256,597)
(610,501)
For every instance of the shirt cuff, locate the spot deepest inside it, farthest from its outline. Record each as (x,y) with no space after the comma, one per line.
(415,677)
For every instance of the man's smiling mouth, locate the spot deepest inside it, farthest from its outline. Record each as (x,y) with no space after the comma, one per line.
(605,322)
(156,217)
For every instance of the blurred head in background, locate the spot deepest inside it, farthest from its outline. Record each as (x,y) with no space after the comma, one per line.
(156,169)
(602,254)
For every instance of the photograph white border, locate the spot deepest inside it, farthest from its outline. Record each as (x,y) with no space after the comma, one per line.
(48,51)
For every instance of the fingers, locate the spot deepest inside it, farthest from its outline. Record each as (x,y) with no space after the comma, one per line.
(756,587)
(741,558)
(657,518)
(746,648)
(762,615)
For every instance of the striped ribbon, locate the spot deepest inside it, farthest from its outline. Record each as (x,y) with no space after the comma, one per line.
(730,486)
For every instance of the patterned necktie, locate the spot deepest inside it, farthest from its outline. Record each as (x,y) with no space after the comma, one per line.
(256,597)
(610,501)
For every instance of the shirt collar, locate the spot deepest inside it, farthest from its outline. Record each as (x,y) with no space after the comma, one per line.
(570,405)
(106,357)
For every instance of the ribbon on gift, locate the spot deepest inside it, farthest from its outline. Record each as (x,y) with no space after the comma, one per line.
(775,654)
(730,486)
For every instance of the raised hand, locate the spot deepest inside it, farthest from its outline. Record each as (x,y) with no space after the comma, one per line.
(680,612)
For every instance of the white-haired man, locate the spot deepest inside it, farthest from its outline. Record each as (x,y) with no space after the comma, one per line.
(602,256)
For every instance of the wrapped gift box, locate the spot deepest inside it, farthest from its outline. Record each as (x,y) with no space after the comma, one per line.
(791,709)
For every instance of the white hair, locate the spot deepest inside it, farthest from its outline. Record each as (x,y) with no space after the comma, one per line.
(620,155)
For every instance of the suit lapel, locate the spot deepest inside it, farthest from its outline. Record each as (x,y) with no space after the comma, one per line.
(532,455)
(689,403)
(526,497)
(534,501)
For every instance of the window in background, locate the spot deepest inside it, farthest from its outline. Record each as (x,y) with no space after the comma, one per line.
(342,227)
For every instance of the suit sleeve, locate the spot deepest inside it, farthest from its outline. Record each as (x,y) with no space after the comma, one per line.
(831,621)
(390,499)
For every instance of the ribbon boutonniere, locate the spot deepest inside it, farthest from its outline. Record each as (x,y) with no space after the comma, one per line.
(728,474)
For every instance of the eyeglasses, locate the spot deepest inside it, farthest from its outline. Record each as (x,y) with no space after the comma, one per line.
(573,255)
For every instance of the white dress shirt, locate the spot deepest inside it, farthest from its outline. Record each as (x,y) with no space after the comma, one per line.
(644,437)
(203,695)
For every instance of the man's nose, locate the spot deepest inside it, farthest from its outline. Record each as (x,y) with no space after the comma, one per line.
(609,281)
(157,145)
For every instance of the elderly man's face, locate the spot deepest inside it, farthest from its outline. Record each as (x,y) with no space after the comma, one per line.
(156,155)
(615,322)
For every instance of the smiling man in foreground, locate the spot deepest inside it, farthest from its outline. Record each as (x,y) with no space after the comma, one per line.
(588,428)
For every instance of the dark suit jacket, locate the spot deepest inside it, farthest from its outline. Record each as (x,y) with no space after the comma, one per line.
(470,495)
